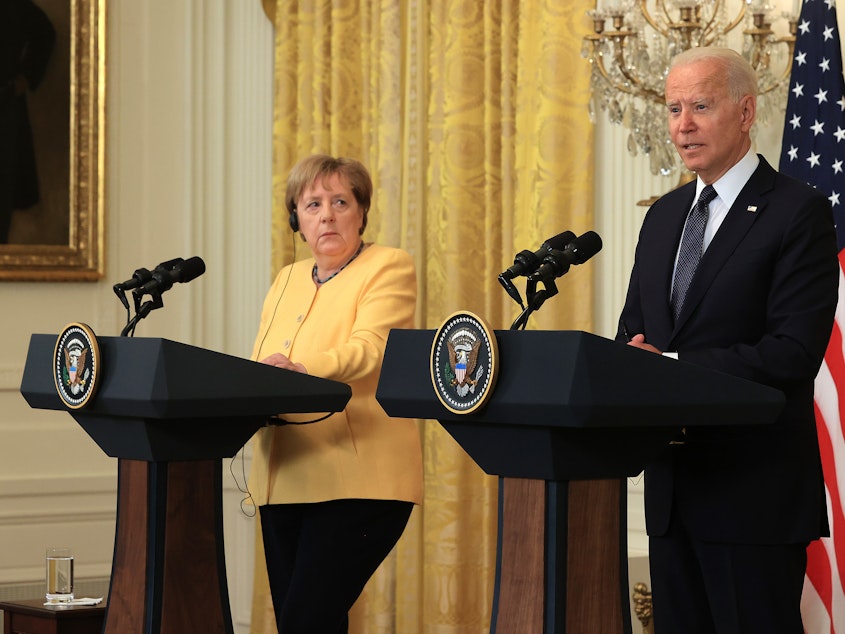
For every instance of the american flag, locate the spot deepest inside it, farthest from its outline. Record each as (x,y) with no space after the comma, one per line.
(814,151)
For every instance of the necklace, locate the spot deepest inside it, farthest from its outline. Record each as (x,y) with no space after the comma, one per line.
(318,281)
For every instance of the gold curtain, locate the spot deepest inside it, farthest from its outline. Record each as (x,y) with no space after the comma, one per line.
(472,118)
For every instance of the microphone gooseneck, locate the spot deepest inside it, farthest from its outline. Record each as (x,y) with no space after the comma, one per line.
(578,251)
(164,278)
(554,263)
(526,262)
(154,283)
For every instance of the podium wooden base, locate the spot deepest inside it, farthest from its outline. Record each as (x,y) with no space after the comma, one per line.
(168,572)
(562,565)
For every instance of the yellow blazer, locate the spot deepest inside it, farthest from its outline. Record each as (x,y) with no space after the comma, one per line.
(339,332)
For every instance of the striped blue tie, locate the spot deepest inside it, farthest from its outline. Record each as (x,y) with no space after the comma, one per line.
(691,248)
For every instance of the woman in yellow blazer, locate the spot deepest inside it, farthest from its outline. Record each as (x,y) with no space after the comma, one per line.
(334,496)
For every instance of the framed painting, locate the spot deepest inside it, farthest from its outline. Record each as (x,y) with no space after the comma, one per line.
(52,101)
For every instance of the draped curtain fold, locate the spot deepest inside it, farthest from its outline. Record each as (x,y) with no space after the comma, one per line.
(472,118)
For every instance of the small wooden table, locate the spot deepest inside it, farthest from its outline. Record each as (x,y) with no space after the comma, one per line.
(33,617)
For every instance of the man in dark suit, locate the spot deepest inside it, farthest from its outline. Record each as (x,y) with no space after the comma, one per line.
(731,510)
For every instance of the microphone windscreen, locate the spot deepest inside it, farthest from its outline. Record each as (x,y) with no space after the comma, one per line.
(559,241)
(170,264)
(585,246)
(191,269)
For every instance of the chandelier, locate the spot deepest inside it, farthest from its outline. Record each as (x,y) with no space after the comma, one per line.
(633,42)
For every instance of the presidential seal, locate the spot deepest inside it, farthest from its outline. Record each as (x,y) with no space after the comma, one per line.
(76,365)
(464,358)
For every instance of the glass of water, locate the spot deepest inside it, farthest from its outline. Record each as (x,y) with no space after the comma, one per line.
(59,575)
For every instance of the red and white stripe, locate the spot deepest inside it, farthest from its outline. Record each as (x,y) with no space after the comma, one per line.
(823,603)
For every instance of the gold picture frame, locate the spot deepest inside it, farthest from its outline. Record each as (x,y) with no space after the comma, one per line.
(82,24)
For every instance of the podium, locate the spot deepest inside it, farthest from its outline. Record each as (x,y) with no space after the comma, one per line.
(571,416)
(170,413)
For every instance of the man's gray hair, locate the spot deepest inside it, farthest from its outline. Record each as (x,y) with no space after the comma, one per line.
(742,80)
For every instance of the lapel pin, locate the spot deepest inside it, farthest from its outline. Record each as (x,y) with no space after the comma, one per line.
(752,208)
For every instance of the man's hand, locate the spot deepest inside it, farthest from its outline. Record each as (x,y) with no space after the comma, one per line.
(638,341)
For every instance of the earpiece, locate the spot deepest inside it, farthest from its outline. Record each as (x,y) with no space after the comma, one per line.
(294,220)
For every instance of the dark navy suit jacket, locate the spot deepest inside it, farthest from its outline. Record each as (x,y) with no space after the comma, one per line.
(761,307)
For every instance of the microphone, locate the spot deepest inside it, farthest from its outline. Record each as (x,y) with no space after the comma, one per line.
(578,251)
(525,262)
(142,276)
(139,277)
(168,273)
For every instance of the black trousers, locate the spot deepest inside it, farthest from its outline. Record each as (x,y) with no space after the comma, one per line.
(719,588)
(320,556)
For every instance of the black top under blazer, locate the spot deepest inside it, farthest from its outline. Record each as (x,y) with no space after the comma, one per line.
(760,307)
